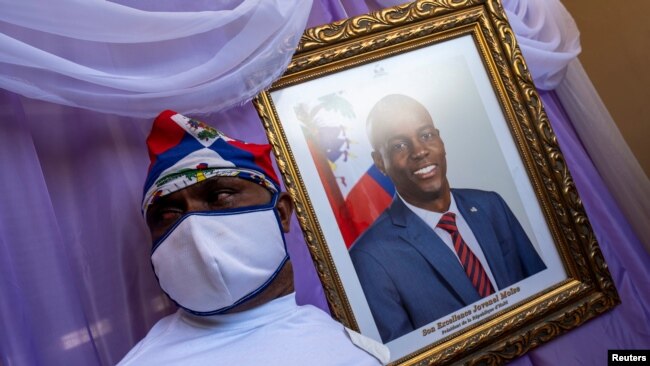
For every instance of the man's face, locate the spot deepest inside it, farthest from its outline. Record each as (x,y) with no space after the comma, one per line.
(410,151)
(217,193)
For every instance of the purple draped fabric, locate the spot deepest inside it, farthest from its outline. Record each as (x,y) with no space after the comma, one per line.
(75,282)
(628,325)
(76,286)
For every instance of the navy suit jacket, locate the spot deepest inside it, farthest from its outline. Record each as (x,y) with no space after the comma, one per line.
(411,278)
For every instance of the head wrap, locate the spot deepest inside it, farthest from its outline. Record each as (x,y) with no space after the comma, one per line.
(184,151)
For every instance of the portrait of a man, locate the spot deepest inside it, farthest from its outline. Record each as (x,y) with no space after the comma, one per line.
(435,249)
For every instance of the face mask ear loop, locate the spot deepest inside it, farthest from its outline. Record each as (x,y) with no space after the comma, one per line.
(274,198)
(274,202)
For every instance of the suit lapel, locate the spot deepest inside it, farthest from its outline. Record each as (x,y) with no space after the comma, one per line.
(477,218)
(421,237)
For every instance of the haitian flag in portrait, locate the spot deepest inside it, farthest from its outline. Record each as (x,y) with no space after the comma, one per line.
(357,191)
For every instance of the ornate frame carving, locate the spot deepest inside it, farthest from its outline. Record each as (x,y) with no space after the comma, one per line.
(588,289)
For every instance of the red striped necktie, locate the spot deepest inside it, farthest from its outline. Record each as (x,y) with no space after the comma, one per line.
(473,267)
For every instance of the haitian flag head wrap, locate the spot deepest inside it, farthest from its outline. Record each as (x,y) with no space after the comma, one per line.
(184,151)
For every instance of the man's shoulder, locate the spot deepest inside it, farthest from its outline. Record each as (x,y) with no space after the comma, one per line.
(488,202)
(162,326)
(375,234)
(471,196)
(473,193)
(379,225)
(316,327)
(311,313)
(152,340)
(305,327)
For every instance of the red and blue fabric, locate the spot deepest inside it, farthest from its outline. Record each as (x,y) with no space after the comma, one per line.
(184,151)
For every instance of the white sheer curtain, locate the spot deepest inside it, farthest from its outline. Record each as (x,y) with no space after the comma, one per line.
(611,155)
(548,38)
(550,42)
(113,58)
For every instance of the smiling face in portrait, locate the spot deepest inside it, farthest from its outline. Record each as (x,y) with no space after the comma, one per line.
(409,150)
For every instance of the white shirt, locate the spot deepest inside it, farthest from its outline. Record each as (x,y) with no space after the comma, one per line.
(276,333)
(432,218)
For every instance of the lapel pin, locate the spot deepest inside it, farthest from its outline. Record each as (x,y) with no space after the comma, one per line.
(473,209)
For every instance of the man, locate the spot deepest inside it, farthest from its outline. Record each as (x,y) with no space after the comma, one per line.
(434,249)
(217,217)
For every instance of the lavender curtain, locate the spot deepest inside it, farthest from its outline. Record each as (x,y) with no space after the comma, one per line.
(626,326)
(76,287)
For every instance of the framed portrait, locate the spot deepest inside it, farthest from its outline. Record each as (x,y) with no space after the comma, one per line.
(384,122)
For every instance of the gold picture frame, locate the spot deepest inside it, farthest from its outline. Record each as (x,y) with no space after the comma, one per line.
(460,59)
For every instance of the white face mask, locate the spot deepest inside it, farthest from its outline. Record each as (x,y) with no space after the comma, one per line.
(210,262)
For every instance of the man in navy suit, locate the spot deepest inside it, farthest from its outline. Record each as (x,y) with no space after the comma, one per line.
(434,250)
